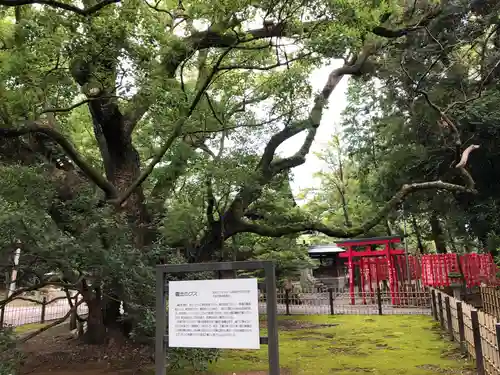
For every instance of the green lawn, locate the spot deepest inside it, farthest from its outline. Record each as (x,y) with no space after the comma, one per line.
(385,345)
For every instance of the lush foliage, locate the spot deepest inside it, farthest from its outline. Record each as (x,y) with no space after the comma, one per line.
(10,356)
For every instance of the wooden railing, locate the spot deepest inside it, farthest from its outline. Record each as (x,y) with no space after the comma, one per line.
(490,297)
(477,332)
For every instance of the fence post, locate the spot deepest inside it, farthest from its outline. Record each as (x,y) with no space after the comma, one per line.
(379,300)
(44,305)
(448,317)
(497,330)
(477,342)
(287,301)
(440,307)
(433,304)
(461,326)
(330,297)
(2,315)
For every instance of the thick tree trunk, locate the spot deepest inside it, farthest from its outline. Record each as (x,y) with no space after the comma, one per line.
(122,166)
(135,209)
(96,330)
(450,236)
(212,242)
(438,235)
(207,250)
(139,220)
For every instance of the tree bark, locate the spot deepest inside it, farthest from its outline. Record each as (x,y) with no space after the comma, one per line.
(96,330)
(453,244)
(438,235)
(122,166)
(211,242)
(345,211)
(341,187)
(388,227)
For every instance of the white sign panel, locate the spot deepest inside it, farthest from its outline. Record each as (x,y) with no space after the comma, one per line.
(219,314)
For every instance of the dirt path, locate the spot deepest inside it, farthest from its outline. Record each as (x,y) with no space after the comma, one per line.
(58,352)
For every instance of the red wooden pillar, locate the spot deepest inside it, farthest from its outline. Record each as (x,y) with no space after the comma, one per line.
(370,278)
(390,271)
(433,272)
(362,274)
(350,270)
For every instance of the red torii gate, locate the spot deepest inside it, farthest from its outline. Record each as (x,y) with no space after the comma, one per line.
(386,253)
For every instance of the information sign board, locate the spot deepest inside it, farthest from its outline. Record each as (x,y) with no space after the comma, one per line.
(222,314)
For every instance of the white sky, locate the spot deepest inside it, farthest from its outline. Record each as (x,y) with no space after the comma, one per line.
(303,175)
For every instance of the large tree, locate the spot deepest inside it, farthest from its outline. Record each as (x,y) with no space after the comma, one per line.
(121,120)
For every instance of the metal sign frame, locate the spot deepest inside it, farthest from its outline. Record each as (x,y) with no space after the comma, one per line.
(271,305)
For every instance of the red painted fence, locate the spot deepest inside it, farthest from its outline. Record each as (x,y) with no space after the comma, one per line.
(476,269)
(433,270)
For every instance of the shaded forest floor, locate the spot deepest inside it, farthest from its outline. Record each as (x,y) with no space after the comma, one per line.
(57,352)
(343,345)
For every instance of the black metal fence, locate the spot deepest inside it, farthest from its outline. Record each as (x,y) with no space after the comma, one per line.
(22,311)
(313,301)
(304,301)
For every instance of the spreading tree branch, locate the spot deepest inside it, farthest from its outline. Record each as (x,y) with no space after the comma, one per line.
(406,190)
(353,66)
(465,156)
(210,38)
(446,122)
(93,174)
(59,5)
(29,336)
(175,133)
(139,105)
(31,288)
(267,67)
(210,200)
(267,168)
(397,33)
(76,105)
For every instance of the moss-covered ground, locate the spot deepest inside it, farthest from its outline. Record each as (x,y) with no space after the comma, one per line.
(309,345)
(352,345)
(26,328)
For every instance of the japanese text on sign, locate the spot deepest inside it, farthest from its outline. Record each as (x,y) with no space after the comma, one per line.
(220,314)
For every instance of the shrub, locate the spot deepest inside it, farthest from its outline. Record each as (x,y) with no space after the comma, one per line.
(10,355)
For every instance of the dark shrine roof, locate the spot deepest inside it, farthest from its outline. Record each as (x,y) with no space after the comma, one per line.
(339,246)
(325,249)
